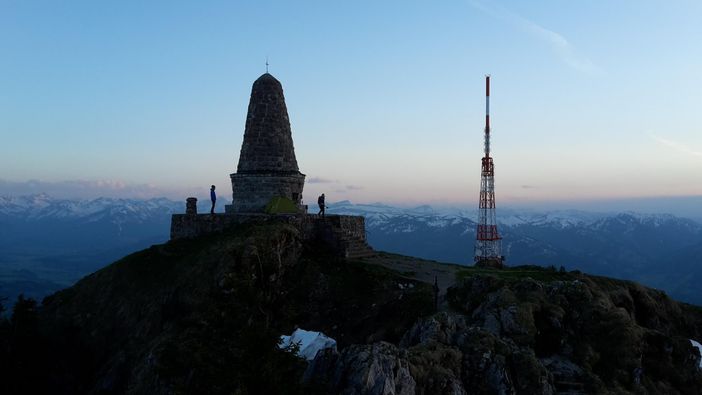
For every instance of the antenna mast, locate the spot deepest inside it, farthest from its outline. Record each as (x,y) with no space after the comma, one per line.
(488,242)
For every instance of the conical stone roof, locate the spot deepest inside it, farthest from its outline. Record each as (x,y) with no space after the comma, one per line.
(268,145)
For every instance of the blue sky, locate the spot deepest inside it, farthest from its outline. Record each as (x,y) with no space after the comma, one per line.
(590,99)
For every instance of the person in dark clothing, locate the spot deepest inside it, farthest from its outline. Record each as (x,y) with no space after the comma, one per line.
(213,197)
(320,202)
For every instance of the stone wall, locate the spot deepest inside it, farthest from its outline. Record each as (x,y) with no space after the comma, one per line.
(353,226)
(344,234)
(188,226)
(252,192)
(348,226)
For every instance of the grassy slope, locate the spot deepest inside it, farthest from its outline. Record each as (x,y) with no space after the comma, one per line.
(204,315)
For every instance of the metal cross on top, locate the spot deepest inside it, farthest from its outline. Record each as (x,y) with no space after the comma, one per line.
(266,64)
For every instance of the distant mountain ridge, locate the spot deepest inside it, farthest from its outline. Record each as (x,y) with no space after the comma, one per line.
(45,239)
(48,243)
(506,216)
(659,250)
(42,206)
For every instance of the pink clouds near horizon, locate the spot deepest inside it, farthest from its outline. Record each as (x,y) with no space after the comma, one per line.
(89,189)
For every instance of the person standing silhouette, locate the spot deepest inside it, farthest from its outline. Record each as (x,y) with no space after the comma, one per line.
(213,197)
(320,202)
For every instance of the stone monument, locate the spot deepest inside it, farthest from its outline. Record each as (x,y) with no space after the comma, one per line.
(268,184)
(267,166)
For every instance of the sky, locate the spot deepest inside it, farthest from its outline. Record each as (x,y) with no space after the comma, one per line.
(590,100)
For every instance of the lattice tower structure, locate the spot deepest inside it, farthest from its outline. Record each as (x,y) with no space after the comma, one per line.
(488,244)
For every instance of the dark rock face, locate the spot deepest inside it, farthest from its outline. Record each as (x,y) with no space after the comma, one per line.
(375,369)
(204,315)
(571,334)
(267,164)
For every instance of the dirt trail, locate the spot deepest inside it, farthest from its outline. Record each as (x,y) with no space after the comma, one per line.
(420,269)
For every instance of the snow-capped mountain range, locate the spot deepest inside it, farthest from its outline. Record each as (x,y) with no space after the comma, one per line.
(42,206)
(61,240)
(660,250)
(378,213)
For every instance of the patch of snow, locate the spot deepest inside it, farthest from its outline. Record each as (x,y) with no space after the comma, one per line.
(558,218)
(310,342)
(699,348)
(438,222)
(408,228)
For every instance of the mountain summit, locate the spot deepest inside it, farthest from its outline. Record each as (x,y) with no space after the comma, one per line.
(206,315)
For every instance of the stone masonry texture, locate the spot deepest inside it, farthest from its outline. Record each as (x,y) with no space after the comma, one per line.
(191,206)
(344,234)
(267,164)
(268,144)
(252,192)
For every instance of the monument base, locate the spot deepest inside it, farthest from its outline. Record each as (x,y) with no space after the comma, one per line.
(345,235)
(253,191)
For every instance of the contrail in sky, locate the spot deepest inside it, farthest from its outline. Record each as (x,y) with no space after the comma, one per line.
(677,146)
(560,45)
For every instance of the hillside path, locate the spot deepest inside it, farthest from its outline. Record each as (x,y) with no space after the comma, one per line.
(420,270)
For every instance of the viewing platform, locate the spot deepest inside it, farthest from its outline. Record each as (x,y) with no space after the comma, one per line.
(345,235)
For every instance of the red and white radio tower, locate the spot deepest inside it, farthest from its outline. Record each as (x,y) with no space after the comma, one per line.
(488,241)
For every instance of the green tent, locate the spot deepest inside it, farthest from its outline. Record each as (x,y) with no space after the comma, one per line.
(281,205)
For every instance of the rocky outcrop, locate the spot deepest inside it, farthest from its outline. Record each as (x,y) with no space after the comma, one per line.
(445,356)
(570,334)
(374,369)
(205,315)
